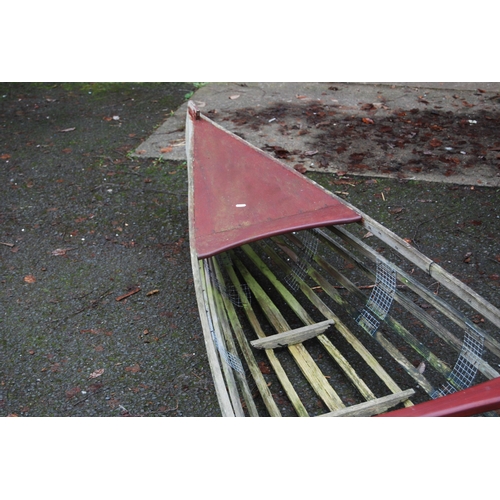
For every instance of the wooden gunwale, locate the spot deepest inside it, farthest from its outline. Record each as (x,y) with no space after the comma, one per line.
(230,344)
(216,320)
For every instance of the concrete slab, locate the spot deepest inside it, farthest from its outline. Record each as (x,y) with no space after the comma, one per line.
(444,132)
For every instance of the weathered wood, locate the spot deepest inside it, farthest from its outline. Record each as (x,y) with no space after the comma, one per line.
(217,376)
(303,359)
(441,305)
(216,328)
(300,311)
(335,354)
(295,336)
(486,369)
(383,341)
(273,360)
(228,336)
(246,350)
(374,407)
(453,284)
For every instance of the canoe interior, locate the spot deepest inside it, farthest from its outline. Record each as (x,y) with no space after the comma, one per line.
(390,333)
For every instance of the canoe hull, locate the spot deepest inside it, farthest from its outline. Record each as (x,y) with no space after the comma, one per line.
(307,319)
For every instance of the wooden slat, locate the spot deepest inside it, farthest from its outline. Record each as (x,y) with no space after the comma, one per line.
(341,327)
(383,341)
(486,369)
(346,367)
(295,336)
(247,353)
(216,329)
(449,311)
(303,359)
(374,407)
(228,336)
(217,376)
(460,289)
(273,360)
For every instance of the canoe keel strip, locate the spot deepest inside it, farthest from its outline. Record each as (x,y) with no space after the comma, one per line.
(312,320)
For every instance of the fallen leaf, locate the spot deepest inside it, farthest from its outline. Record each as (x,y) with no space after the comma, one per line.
(264,368)
(152,292)
(395,210)
(68,129)
(71,393)
(96,373)
(300,168)
(234,96)
(421,367)
(61,251)
(133,369)
(29,278)
(435,143)
(368,121)
(4,156)
(368,235)
(166,150)
(467,257)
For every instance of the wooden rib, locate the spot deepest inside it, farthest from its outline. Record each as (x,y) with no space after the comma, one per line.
(356,344)
(383,341)
(460,289)
(217,376)
(228,371)
(423,350)
(292,336)
(273,360)
(228,336)
(449,311)
(333,352)
(375,407)
(247,353)
(303,359)
(486,369)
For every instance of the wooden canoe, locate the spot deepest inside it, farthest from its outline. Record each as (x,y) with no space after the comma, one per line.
(302,317)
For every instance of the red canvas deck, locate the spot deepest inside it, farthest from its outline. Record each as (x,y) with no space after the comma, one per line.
(242,194)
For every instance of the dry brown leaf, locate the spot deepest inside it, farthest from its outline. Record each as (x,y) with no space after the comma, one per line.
(29,278)
(96,373)
(133,369)
(368,121)
(152,292)
(166,149)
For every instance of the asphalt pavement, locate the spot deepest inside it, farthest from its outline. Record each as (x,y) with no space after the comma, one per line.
(98,314)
